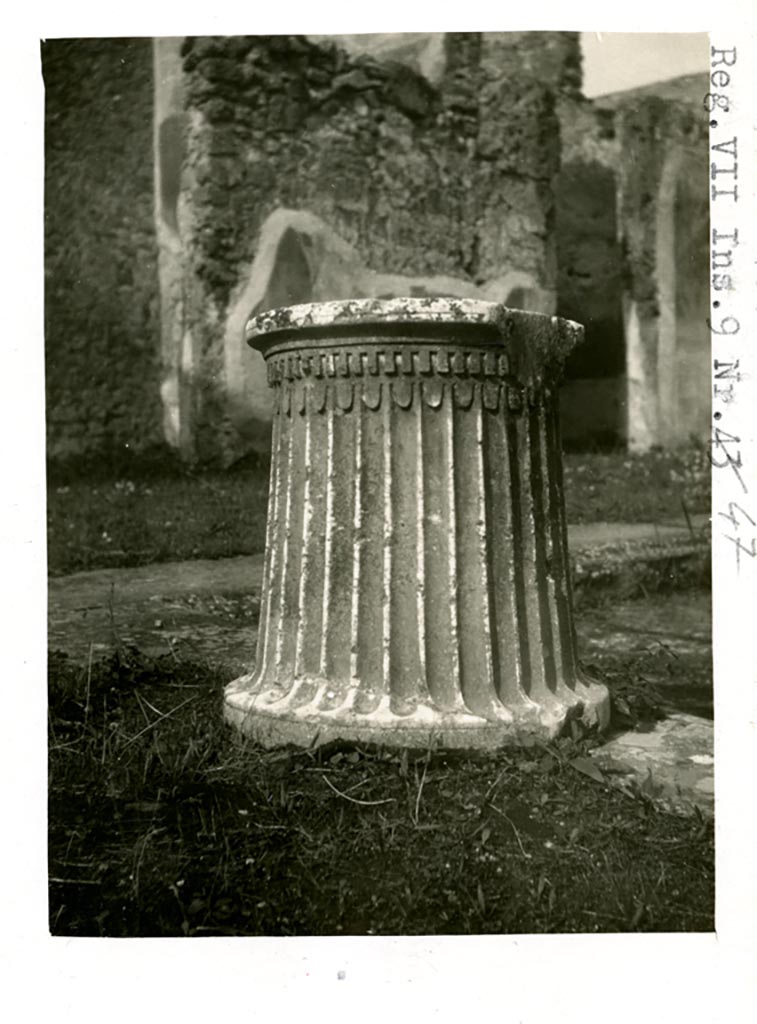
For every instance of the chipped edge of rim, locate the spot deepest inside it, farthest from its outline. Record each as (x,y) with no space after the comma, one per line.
(397,310)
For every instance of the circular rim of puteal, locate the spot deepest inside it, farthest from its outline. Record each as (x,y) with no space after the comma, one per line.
(345,312)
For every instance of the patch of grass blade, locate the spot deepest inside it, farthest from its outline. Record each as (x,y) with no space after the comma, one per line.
(165,822)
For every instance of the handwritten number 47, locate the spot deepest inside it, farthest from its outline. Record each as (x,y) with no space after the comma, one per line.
(733,519)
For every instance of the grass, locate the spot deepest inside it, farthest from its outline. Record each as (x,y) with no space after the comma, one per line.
(164,822)
(109,524)
(620,487)
(174,515)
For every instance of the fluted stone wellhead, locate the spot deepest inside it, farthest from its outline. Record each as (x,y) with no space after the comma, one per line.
(416,585)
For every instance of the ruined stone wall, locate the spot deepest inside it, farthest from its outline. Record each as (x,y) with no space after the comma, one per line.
(517,147)
(412,177)
(287,171)
(280,122)
(418,181)
(101,296)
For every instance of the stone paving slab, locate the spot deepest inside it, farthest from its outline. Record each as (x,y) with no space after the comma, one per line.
(671,762)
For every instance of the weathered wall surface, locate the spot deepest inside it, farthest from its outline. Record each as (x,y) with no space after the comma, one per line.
(101,298)
(667,340)
(690,361)
(169,141)
(424,52)
(419,182)
(272,170)
(632,250)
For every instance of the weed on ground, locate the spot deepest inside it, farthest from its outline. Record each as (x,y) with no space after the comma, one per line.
(165,822)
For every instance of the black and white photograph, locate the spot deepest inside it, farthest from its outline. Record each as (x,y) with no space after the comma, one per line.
(377,417)
(394,456)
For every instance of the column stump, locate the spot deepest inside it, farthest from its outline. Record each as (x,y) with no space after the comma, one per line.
(416,588)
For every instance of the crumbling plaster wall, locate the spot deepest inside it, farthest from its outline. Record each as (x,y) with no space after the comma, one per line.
(418,182)
(662,193)
(639,160)
(101,287)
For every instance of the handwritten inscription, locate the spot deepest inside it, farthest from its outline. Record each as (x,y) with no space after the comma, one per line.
(739,520)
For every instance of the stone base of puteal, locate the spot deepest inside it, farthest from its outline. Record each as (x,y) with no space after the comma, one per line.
(416,589)
(273,720)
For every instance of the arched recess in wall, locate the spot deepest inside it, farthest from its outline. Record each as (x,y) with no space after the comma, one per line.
(282,275)
(682,265)
(300,258)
